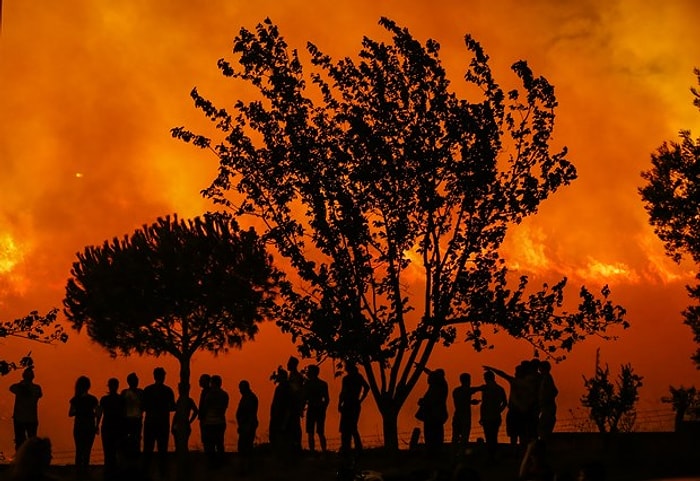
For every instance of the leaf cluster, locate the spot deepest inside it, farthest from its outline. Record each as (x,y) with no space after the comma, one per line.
(671,198)
(34,327)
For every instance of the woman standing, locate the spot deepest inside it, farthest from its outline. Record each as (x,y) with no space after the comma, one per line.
(83,408)
(434,410)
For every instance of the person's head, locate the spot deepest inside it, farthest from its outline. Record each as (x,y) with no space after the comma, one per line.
(313,371)
(183,389)
(132,380)
(281,375)
(113,384)
(82,385)
(489,376)
(350,367)
(465,379)
(216,381)
(244,386)
(292,364)
(32,459)
(159,375)
(545,367)
(204,381)
(28,374)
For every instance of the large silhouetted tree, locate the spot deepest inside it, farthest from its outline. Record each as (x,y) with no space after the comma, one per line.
(174,287)
(34,327)
(672,199)
(390,196)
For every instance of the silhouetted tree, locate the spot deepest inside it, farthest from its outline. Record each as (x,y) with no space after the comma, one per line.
(34,327)
(672,199)
(611,404)
(682,400)
(175,287)
(388,193)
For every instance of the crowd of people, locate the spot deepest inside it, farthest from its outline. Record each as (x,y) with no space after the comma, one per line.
(135,424)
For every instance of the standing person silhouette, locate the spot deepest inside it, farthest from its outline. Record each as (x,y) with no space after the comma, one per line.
(434,406)
(185,413)
(204,383)
(158,403)
(247,420)
(83,410)
(215,406)
(111,412)
(280,415)
(522,403)
(133,418)
(354,390)
(462,417)
(493,402)
(547,396)
(296,386)
(25,418)
(316,401)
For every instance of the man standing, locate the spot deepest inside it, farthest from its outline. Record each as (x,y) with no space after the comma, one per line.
(133,416)
(493,402)
(296,385)
(316,400)
(25,414)
(204,384)
(462,417)
(214,421)
(354,390)
(158,403)
(247,420)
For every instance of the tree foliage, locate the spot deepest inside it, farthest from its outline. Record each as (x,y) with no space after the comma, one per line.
(611,404)
(683,400)
(174,287)
(34,327)
(390,196)
(671,197)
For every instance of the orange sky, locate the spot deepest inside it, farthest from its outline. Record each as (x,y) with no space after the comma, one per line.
(89,91)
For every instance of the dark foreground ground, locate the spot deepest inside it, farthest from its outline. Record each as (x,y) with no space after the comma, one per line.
(624,457)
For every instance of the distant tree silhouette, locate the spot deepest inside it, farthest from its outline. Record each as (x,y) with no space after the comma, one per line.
(611,404)
(683,400)
(174,287)
(34,327)
(383,178)
(672,199)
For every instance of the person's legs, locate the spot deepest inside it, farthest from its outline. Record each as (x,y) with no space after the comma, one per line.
(109,449)
(31,429)
(162,437)
(321,430)
(491,428)
(20,433)
(149,444)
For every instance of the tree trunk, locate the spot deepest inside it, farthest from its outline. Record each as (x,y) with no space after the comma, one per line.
(390,425)
(184,370)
